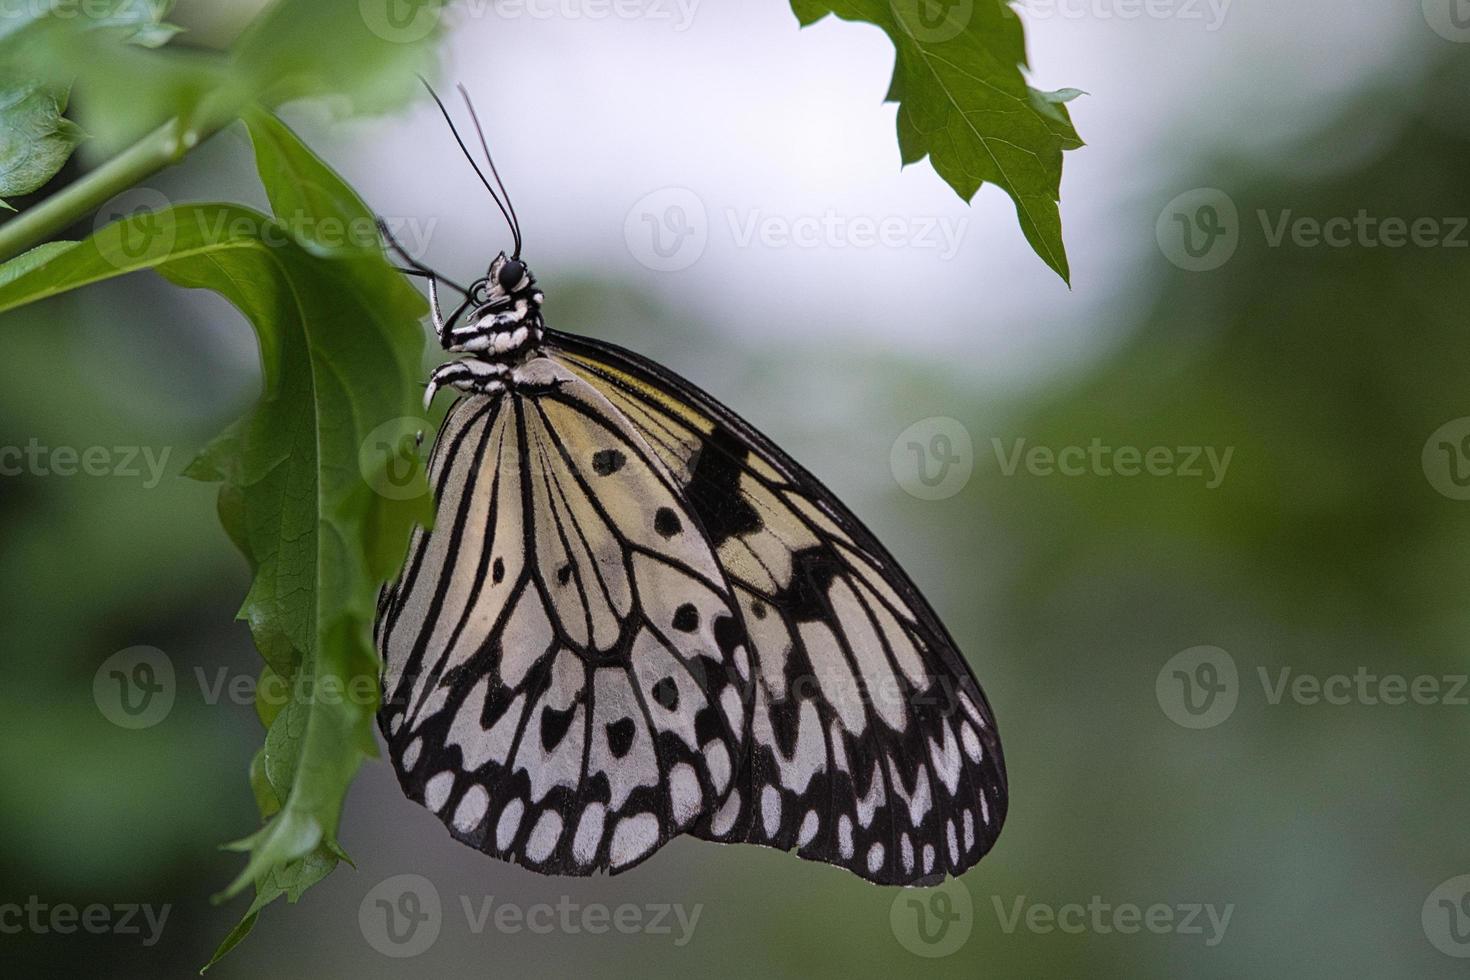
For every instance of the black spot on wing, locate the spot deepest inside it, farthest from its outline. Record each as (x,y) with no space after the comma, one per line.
(666,693)
(686,618)
(714,489)
(606,462)
(812,572)
(667,523)
(620,736)
(554,725)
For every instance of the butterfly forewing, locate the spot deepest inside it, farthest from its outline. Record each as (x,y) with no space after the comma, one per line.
(871,745)
(562,668)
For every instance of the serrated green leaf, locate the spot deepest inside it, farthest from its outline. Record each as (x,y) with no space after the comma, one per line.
(340,345)
(366,53)
(290,880)
(35,138)
(964,103)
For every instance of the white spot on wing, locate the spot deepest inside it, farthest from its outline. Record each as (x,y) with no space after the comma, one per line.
(809,825)
(971,741)
(684,793)
(437,790)
(771,810)
(844,836)
(875,858)
(510,822)
(544,836)
(725,817)
(633,837)
(589,833)
(471,809)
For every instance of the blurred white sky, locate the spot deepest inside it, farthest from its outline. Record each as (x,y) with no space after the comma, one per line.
(762,121)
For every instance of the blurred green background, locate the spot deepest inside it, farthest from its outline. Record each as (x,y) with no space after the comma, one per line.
(1334,544)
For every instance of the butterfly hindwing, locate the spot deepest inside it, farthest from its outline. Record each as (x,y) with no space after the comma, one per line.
(562,656)
(871,744)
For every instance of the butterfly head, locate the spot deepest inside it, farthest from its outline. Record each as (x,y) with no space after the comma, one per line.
(508,287)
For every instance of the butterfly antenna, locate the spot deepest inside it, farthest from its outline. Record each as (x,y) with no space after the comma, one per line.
(515,221)
(470,157)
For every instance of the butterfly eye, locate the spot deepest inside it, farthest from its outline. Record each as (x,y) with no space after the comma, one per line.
(510,274)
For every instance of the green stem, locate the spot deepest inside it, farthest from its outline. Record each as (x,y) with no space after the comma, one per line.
(165,145)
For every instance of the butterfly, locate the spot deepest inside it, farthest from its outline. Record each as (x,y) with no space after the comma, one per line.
(637,617)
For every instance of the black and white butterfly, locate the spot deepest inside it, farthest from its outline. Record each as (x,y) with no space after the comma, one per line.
(637,617)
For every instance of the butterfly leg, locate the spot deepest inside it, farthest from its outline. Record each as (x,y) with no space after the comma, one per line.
(469,375)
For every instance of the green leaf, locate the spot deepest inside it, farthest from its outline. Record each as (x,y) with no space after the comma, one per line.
(35,138)
(964,103)
(341,348)
(33,259)
(365,51)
